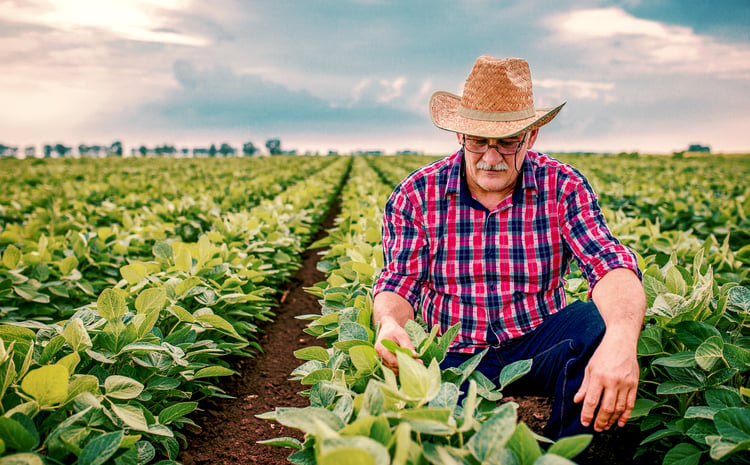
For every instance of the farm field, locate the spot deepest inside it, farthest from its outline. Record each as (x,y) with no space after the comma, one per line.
(133,290)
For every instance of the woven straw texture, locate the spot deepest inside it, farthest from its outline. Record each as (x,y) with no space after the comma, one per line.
(497,101)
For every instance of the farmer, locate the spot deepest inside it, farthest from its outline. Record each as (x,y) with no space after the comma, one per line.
(484,238)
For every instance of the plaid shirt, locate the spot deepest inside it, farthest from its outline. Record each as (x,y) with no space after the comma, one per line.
(499,273)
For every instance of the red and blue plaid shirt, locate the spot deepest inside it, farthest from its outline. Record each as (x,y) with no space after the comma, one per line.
(499,273)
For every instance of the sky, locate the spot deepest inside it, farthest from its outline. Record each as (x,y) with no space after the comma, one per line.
(649,76)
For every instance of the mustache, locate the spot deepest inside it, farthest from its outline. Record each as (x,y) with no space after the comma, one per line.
(502,166)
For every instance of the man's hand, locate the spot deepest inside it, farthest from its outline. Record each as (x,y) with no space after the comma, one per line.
(391,312)
(391,330)
(611,378)
(611,383)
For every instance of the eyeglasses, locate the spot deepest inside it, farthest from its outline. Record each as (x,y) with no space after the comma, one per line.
(503,146)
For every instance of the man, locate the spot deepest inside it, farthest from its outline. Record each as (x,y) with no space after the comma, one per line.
(484,237)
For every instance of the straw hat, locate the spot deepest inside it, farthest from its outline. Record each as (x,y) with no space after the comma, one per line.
(497,101)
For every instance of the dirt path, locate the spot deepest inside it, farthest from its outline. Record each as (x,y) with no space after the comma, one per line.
(229,426)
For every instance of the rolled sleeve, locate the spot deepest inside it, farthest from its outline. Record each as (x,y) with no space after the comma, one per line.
(405,249)
(592,244)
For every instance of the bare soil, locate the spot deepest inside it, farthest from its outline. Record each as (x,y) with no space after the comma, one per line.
(230,429)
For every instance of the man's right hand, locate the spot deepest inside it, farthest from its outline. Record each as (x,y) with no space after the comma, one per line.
(391,330)
(390,313)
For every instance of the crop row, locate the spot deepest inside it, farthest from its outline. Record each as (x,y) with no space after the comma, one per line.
(112,376)
(694,354)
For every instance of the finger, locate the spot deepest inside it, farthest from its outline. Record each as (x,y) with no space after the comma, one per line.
(629,409)
(581,394)
(606,416)
(590,402)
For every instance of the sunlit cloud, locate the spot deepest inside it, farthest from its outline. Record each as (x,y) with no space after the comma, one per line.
(648,46)
(574,89)
(141,20)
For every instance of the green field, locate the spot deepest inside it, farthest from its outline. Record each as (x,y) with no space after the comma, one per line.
(125,282)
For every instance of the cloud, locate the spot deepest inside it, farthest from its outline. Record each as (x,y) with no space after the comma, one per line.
(142,20)
(220,98)
(613,36)
(574,89)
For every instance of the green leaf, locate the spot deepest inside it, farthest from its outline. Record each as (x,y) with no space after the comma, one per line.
(150,300)
(282,442)
(162,250)
(68,264)
(683,454)
(25,458)
(16,436)
(347,456)
(513,372)
(100,449)
(76,335)
(348,450)
(11,257)
(304,418)
(710,352)
(134,272)
(220,324)
(571,446)
(733,424)
(131,415)
(111,304)
(312,353)
(680,359)
(494,433)
(364,358)
(122,387)
(48,385)
(693,333)
(216,370)
(524,444)
(175,411)
(417,382)
(649,342)
(738,299)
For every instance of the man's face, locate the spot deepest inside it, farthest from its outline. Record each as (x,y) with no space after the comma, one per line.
(492,164)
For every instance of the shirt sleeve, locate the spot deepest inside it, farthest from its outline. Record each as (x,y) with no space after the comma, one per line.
(586,233)
(405,249)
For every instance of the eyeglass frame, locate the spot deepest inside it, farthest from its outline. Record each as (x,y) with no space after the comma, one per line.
(496,146)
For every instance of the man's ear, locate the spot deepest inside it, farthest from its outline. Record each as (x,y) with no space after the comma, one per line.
(458,136)
(532,138)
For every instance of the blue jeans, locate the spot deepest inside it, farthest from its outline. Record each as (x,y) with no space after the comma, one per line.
(560,348)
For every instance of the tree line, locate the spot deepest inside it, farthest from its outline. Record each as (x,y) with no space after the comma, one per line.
(273,146)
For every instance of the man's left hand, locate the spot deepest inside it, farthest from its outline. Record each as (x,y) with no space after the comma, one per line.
(610,383)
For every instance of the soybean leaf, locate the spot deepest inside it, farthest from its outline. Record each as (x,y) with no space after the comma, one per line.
(122,387)
(494,433)
(100,449)
(48,385)
(169,414)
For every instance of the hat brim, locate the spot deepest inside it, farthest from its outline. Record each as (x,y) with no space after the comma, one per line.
(444,114)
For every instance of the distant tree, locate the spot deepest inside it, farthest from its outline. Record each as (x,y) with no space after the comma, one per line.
(62,150)
(698,148)
(185,152)
(274,146)
(116,148)
(227,150)
(47,151)
(83,149)
(143,150)
(212,150)
(30,151)
(249,149)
